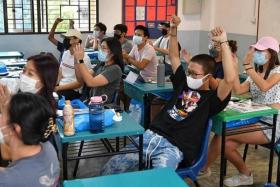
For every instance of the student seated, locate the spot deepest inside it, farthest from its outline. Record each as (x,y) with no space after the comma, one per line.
(93,41)
(120,31)
(106,76)
(215,52)
(264,85)
(176,134)
(51,37)
(69,86)
(161,46)
(143,55)
(27,121)
(39,76)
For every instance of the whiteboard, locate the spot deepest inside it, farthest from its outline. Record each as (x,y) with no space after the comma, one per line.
(269,19)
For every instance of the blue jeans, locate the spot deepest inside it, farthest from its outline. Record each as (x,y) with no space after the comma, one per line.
(158,152)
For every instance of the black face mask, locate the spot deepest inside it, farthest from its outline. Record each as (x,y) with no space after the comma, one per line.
(66,43)
(118,36)
(164,32)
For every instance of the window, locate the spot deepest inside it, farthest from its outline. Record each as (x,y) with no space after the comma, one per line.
(38,16)
(148,13)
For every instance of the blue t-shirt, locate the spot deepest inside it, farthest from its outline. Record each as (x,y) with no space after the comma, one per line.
(219,71)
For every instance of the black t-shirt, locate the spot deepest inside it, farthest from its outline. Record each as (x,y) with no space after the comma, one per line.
(183,120)
(60,47)
(219,71)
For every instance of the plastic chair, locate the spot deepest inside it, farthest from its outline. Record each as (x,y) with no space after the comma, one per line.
(192,171)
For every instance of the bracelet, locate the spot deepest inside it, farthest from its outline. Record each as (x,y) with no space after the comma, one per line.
(246,64)
(248,68)
(224,42)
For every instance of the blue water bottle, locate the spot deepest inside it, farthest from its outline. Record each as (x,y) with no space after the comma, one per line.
(96,113)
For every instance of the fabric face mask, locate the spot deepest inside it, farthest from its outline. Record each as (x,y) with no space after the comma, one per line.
(164,32)
(118,36)
(102,56)
(2,139)
(213,52)
(66,43)
(259,58)
(96,33)
(195,83)
(27,84)
(137,40)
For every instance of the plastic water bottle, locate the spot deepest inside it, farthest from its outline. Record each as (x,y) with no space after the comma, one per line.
(96,114)
(160,74)
(68,118)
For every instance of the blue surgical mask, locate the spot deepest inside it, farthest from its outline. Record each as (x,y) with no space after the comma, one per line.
(102,56)
(137,40)
(213,52)
(259,58)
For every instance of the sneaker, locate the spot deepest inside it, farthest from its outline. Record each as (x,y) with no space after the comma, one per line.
(239,180)
(203,174)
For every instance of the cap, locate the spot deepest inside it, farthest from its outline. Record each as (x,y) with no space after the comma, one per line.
(73,32)
(166,24)
(267,42)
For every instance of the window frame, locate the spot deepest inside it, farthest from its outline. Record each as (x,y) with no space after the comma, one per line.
(39,19)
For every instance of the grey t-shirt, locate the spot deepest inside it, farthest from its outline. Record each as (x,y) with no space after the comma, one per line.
(113,74)
(127,46)
(40,170)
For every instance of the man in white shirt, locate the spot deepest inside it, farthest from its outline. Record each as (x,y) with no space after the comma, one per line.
(69,86)
(143,55)
(161,45)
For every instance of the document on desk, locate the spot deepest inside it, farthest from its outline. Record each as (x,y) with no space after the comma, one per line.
(131,77)
(247,106)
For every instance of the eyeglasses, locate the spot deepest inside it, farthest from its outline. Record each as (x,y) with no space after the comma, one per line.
(193,74)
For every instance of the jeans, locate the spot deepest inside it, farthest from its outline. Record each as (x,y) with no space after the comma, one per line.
(158,152)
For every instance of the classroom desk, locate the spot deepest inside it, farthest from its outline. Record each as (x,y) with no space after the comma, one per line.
(164,177)
(11,54)
(127,127)
(13,62)
(219,126)
(143,92)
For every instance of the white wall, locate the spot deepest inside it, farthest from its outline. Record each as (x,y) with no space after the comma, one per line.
(110,13)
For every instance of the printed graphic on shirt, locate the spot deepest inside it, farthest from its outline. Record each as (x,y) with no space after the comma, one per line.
(187,105)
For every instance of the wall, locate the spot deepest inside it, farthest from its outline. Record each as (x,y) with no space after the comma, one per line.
(192,33)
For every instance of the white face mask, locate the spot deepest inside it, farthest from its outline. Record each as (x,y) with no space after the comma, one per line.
(195,83)
(137,40)
(27,84)
(2,139)
(96,33)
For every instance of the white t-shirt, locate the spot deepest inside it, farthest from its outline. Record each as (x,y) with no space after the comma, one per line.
(148,53)
(163,42)
(68,70)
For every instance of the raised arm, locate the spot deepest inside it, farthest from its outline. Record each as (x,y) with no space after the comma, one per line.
(84,74)
(173,46)
(226,84)
(51,33)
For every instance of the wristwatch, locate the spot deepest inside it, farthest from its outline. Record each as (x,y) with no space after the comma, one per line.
(81,61)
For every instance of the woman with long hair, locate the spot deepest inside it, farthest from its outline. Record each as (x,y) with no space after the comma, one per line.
(106,76)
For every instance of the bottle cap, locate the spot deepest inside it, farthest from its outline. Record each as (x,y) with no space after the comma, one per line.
(96,99)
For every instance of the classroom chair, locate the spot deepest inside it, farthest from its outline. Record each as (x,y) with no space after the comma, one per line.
(192,171)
